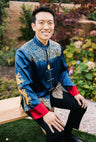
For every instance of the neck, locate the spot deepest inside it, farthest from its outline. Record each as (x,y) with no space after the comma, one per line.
(44,42)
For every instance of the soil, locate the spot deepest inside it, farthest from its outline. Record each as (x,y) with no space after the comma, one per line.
(7,72)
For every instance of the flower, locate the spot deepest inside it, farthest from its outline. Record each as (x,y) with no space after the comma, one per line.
(93,33)
(91,65)
(71,72)
(78,44)
(80,32)
(78,62)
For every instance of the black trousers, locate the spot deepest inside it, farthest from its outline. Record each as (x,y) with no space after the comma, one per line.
(73,121)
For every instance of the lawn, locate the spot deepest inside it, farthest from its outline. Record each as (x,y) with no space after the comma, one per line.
(26,130)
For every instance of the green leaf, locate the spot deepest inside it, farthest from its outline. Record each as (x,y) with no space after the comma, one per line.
(94,45)
(80,82)
(82,92)
(87,44)
(73,62)
(72,44)
(89,76)
(89,82)
(69,55)
(94,92)
(86,86)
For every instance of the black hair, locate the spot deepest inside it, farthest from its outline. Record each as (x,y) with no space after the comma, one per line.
(42,9)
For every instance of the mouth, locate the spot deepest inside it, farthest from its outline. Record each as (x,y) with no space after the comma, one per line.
(46,33)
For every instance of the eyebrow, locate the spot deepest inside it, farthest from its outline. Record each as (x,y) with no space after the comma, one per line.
(44,20)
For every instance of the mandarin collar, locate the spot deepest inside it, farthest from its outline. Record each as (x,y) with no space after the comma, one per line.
(39,43)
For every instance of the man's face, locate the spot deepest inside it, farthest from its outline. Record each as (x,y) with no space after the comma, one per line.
(44,26)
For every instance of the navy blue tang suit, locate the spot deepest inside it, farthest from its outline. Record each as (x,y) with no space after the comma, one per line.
(40,70)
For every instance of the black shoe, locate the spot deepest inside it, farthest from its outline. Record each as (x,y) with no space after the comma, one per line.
(72,138)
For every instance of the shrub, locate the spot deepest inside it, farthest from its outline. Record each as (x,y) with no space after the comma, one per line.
(3,14)
(66,1)
(83,2)
(7,58)
(75,53)
(65,21)
(26,20)
(80,56)
(84,78)
(7,50)
(65,26)
(7,54)
(92,16)
(8,88)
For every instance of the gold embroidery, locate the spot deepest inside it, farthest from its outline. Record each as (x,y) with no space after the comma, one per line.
(19,81)
(36,53)
(23,92)
(46,102)
(25,106)
(58,91)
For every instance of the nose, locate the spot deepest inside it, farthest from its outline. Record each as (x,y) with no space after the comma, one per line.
(46,26)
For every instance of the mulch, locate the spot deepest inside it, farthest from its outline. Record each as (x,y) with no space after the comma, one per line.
(7,72)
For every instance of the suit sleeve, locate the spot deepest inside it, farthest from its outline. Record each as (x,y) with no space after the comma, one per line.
(23,70)
(65,79)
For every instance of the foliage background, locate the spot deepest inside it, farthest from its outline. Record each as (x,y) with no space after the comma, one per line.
(79,49)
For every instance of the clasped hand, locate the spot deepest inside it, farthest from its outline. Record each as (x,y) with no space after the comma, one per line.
(52,119)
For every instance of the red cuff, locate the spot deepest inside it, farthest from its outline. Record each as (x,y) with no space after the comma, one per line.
(39,111)
(73,90)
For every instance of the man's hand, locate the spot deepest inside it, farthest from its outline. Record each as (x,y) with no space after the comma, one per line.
(81,101)
(53,120)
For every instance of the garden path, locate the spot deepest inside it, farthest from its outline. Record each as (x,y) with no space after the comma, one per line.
(88,123)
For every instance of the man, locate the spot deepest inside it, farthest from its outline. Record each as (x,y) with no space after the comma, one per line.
(43,81)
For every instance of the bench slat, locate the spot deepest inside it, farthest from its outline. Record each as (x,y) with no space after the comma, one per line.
(10,110)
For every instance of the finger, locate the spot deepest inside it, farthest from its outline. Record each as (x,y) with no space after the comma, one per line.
(51,128)
(57,116)
(85,106)
(59,125)
(59,121)
(79,102)
(55,126)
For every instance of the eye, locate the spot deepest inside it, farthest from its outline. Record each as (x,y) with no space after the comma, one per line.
(50,22)
(41,22)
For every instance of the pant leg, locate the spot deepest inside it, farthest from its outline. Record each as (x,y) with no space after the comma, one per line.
(50,137)
(76,112)
(75,116)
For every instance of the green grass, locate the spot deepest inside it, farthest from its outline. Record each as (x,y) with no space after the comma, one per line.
(26,130)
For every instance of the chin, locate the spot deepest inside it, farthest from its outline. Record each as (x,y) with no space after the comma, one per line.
(46,37)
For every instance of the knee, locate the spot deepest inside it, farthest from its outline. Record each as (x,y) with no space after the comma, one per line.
(85,109)
(79,108)
(54,136)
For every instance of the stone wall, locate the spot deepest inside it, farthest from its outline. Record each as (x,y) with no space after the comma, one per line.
(14,14)
(14,23)
(86,25)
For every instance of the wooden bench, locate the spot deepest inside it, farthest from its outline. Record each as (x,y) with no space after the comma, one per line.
(11,110)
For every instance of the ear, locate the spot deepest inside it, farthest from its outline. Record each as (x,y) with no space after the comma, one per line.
(33,26)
